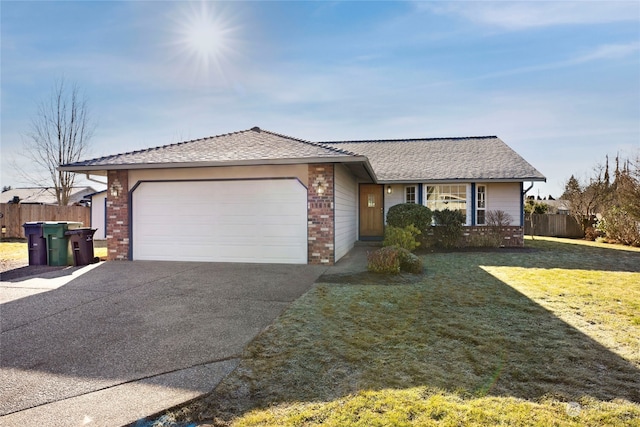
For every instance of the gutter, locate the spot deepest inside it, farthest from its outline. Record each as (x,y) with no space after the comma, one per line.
(88,177)
(89,169)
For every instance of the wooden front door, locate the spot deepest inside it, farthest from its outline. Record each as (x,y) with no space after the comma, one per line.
(371,210)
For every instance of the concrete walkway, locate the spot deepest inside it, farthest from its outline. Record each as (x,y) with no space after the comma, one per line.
(109,344)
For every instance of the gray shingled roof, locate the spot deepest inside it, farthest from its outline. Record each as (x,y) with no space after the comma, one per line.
(244,147)
(423,160)
(408,160)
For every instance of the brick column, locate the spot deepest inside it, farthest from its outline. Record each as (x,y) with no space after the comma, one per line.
(320,215)
(118,215)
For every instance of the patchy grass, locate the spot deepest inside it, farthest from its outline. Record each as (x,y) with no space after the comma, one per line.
(542,337)
(13,251)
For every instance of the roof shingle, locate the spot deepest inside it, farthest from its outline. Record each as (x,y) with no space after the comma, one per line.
(441,159)
(401,160)
(249,145)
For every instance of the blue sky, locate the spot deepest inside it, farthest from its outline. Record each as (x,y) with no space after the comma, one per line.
(557,81)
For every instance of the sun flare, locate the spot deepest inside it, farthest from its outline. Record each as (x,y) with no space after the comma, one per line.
(205,39)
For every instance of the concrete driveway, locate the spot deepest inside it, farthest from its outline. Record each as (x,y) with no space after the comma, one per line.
(127,339)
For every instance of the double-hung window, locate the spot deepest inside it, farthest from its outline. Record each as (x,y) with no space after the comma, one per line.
(481,204)
(447,196)
(410,194)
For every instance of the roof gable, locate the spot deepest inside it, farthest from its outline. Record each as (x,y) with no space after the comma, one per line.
(442,159)
(249,146)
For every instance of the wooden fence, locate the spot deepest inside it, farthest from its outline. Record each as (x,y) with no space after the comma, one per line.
(12,216)
(553,225)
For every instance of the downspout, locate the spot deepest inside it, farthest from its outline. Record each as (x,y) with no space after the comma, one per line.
(524,192)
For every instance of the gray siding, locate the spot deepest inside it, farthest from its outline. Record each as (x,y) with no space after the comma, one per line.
(505,196)
(346,211)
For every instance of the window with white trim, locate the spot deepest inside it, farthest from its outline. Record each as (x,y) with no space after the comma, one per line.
(481,204)
(447,196)
(410,194)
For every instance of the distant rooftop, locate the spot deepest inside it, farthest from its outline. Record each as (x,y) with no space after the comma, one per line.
(43,195)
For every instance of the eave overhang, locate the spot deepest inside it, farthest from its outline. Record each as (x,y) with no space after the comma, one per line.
(477,179)
(102,169)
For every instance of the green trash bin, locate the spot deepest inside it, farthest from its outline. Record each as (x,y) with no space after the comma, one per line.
(57,242)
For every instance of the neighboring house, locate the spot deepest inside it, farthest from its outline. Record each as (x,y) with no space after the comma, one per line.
(560,206)
(258,196)
(43,195)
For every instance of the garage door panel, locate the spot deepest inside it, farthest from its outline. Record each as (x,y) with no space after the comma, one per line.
(235,221)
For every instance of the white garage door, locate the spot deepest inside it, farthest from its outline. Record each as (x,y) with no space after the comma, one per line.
(262,221)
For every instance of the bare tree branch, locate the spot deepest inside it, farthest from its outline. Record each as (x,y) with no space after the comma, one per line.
(59,133)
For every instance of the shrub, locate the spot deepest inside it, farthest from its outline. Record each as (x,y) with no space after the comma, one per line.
(409,262)
(620,226)
(496,222)
(402,237)
(392,260)
(448,230)
(498,219)
(590,233)
(385,260)
(405,214)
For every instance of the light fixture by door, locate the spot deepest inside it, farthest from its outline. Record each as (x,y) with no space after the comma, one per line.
(389,190)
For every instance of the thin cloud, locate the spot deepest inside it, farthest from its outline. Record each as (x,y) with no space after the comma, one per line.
(524,15)
(607,52)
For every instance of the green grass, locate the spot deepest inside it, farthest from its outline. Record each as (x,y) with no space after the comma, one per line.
(548,336)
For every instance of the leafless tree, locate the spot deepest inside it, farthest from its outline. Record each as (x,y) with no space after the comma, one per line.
(59,133)
(586,199)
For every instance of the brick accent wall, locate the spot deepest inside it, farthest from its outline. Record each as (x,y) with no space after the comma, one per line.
(511,236)
(320,215)
(118,215)
(478,236)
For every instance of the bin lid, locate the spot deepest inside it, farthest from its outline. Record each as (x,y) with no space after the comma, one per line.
(33,223)
(61,222)
(84,230)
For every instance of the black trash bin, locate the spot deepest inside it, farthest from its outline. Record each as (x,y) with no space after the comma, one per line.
(37,244)
(81,240)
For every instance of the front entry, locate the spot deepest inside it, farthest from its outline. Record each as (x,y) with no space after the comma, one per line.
(371,211)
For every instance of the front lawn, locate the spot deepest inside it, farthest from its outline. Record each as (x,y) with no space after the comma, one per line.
(548,336)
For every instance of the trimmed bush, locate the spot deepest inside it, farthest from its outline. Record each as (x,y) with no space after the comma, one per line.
(392,260)
(385,260)
(401,237)
(409,262)
(406,214)
(448,229)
